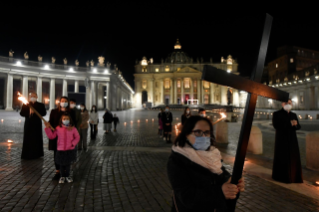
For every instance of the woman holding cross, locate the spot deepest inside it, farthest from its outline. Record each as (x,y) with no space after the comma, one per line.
(198,178)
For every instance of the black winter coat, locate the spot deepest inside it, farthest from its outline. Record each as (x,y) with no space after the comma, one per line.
(195,187)
(107,118)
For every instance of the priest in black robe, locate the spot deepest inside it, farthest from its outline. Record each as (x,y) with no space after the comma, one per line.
(32,137)
(286,164)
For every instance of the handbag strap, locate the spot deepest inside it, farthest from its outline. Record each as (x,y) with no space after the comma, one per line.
(174,200)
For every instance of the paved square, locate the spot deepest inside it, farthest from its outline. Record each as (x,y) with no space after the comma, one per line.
(123,171)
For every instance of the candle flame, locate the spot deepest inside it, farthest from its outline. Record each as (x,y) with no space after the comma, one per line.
(317,182)
(22,99)
(10,141)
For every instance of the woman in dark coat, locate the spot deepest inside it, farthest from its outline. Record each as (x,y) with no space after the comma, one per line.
(32,137)
(186,115)
(107,121)
(286,164)
(198,179)
(55,116)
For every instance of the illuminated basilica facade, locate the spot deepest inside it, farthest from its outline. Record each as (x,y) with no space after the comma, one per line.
(177,81)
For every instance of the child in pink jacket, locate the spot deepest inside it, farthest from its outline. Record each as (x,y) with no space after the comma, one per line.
(68,137)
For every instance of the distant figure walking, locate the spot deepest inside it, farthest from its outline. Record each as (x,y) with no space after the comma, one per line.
(67,141)
(83,144)
(94,117)
(287,164)
(32,136)
(167,120)
(160,122)
(115,121)
(107,121)
(186,115)
(78,118)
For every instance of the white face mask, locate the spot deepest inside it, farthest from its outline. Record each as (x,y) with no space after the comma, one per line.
(72,106)
(82,108)
(187,111)
(33,99)
(287,107)
(202,115)
(63,104)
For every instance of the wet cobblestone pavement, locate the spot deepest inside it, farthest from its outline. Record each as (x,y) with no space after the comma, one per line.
(111,177)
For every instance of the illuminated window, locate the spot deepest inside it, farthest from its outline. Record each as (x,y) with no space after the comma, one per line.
(178,83)
(206,84)
(291,60)
(276,65)
(195,83)
(167,68)
(301,97)
(166,84)
(144,69)
(186,83)
(206,98)
(144,84)
(156,70)
(178,69)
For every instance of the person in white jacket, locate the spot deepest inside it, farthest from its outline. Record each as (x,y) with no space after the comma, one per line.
(94,120)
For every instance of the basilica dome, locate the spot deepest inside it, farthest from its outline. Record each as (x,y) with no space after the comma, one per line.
(178,56)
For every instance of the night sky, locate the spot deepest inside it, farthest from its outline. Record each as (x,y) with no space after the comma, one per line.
(124,32)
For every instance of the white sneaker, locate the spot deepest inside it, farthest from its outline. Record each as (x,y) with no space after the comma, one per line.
(69,179)
(62,179)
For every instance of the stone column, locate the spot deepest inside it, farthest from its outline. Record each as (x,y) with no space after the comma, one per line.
(52,94)
(65,88)
(76,86)
(199,89)
(212,91)
(171,92)
(175,91)
(235,98)
(100,96)
(182,91)
(150,92)
(107,95)
(39,89)
(93,94)
(25,86)
(223,95)
(162,92)
(9,92)
(192,88)
(88,97)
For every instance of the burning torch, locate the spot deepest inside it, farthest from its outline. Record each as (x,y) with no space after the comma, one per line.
(223,117)
(24,101)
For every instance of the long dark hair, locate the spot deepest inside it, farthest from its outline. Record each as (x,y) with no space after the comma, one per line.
(67,109)
(95,110)
(68,115)
(185,114)
(82,104)
(187,129)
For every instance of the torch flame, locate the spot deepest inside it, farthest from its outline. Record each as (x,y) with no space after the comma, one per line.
(223,115)
(10,141)
(22,99)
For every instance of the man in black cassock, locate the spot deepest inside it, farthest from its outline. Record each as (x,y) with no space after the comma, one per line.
(32,138)
(167,119)
(287,164)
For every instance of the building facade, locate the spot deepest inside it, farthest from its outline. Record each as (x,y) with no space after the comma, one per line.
(98,84)
(177,80)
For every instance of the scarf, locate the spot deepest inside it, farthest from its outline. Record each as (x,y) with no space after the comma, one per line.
(210,159)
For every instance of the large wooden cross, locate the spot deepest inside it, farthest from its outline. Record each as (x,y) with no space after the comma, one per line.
(254,89)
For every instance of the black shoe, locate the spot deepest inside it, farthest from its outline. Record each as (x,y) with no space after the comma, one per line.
(79,149)
(56,176)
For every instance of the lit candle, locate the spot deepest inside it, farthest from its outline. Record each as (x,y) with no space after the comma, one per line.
(146,120)
(223,117)
(317,183)
(2,120)
(152,119)
(10,141)
(19,120)
(176,118)
(131,122)
(125,123)
(138,121)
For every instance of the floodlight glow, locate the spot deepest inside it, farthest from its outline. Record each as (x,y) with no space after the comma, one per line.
(294,99)
(46,66)
(71,69)
(18,63)
(228,70)
(106,71)
(94,70)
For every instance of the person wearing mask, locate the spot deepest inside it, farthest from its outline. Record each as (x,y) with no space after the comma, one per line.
(78,118)
(196,174)
(32,147)
(115,121)
(55,117)
(107,121)
(186,115)
(286,164)
(66,143)
(202,112)
(167,119)
(160,122)
(83,128)
(94,117)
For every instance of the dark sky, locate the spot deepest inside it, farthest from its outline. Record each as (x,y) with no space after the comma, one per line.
(123,32)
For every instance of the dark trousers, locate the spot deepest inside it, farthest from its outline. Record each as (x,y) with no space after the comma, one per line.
(115,125)
(57,166)
(93,130)
(65,170)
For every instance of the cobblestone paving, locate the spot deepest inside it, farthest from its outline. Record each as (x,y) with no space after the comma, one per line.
(115,180)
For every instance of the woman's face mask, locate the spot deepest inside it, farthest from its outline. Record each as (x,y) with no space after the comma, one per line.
(72,106)
(187,111)
(64,104)
(287,107)
(82,108)
(33,99)
(66,122)
(166,110)
(201,143)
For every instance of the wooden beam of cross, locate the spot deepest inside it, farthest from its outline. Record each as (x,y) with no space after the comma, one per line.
(254,89)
